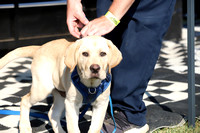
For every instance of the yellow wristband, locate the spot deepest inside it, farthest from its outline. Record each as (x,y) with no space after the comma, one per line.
(112,18)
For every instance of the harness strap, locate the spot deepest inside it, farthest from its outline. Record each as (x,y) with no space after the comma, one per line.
(111,111)
(84,111)
(62,93)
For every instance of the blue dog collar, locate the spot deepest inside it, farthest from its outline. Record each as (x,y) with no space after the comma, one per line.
(89,94)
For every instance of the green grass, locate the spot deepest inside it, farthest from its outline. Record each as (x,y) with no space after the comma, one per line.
(182,129)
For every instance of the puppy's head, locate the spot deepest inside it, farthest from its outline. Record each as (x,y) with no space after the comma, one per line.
(94,56)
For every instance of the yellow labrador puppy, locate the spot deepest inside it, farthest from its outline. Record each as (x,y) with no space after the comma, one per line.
(91,58)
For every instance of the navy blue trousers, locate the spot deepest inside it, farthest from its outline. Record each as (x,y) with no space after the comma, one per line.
(139,38)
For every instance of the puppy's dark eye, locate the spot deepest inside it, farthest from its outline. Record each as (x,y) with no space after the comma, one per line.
(86,54)
(103,54)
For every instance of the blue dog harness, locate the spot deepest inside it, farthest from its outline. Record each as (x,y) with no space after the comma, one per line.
(89,94)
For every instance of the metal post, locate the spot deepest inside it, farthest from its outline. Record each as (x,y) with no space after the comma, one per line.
(191,68)
(16,27)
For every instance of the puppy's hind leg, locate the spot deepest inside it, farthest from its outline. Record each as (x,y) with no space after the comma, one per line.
(27,101)
(25,105)
(56,111)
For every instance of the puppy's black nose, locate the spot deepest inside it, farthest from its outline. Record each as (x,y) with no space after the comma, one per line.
(94,68)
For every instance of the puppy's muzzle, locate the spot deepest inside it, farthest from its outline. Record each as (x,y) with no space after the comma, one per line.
(95,68)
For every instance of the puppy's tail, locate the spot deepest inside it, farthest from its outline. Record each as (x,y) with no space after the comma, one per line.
(18,53)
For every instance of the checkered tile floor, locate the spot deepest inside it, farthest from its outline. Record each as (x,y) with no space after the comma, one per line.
(168,85)
(169,82)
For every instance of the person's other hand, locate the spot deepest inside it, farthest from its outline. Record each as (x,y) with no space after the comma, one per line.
(75,17)
(99,26)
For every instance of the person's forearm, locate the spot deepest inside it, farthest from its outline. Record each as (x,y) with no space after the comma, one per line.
(119,7)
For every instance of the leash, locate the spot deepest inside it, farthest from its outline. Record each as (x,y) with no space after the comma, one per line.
(36,115)
(112,114)
(89,96)
(10,112)
(43,116)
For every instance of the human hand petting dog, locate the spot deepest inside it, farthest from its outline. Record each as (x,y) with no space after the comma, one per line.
(76,20)
(100,26)
(75,17)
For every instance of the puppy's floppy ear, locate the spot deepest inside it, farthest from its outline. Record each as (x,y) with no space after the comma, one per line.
(115,55)
(72,55)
